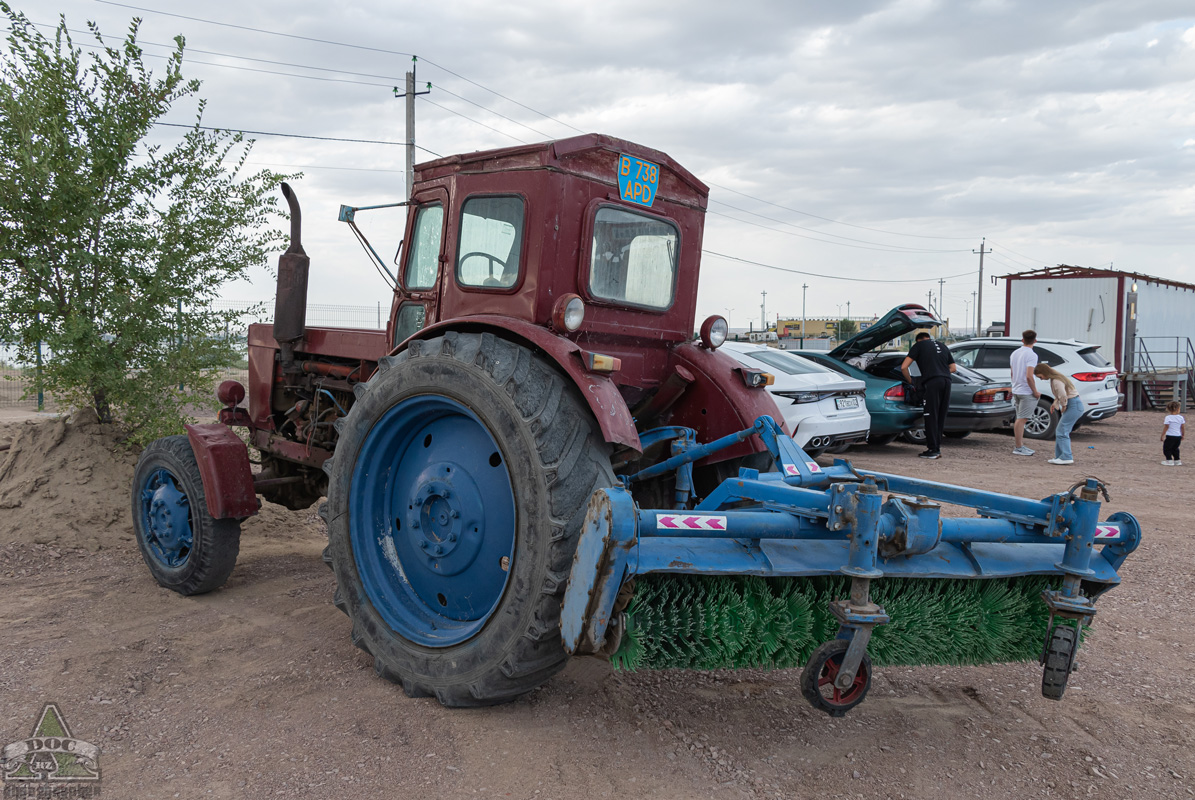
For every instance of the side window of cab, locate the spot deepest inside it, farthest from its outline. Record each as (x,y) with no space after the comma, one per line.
(423,260)
(491,242)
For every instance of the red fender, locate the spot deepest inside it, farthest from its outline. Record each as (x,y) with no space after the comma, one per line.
(718,402)
(601,393)
(224,466)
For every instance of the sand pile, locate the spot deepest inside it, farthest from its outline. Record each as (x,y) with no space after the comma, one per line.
(66,483)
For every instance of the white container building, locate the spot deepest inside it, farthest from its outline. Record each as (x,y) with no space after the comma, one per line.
(1128,314)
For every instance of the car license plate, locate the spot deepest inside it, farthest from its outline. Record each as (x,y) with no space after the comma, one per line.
(846,402)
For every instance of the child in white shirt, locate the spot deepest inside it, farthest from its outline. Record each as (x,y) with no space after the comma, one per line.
(1174,427)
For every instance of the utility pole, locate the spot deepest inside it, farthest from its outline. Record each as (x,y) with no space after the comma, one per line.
(848,309)
(979,302)
(763,312)
(929,299)
(976,313)
(409,94)
(804,286)
(941,294)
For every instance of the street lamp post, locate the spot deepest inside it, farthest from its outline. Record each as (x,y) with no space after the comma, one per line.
(804,286)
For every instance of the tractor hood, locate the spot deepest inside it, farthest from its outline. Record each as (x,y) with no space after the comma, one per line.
(894,324)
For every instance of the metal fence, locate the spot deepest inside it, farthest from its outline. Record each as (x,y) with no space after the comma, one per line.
(19,385)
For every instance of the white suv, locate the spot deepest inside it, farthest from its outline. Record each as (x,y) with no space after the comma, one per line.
(824,410)
(1093,375)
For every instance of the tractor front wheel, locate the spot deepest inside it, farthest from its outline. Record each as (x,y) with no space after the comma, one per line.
(186,550)
(456,495)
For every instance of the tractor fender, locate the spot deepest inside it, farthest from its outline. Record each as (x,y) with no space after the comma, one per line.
(223,461)
(605,401)
(718,402)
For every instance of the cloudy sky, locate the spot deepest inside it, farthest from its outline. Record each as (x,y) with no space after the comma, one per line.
(878,142)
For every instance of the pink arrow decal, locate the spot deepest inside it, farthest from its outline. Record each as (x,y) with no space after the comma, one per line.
(791,469)
(663,521)
(717,523)
(692,522)
(1106,532)
(813,466)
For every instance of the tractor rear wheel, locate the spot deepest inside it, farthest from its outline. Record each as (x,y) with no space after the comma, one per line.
(456,495)
(186,550)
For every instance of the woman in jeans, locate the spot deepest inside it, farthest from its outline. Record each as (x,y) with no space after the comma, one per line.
(1067,405)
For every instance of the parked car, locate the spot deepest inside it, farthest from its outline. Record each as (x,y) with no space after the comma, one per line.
(824,409)
(890,414)
(977,402)
(1093,375)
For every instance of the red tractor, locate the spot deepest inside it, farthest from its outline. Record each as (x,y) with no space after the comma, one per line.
(543,319)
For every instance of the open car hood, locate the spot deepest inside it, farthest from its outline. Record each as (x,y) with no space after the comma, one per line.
(894,324)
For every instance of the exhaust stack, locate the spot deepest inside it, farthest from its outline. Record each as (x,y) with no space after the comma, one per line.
(290,302)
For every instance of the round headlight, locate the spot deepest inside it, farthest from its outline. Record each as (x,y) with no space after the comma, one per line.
(714,332)
(569,313)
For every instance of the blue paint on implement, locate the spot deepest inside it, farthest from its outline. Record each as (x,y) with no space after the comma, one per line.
(432,520)
(166,519)
(805,520)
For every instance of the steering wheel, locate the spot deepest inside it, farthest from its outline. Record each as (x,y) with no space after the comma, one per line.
(492,260)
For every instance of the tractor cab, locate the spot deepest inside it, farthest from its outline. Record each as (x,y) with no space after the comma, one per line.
(594,239)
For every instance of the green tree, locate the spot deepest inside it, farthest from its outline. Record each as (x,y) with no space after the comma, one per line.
(847,328)
(112,249)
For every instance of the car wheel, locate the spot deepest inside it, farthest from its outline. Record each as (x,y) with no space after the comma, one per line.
(1042,422)
(913,436)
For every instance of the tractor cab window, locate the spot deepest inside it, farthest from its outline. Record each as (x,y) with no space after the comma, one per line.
(410,319)
(633,260)
(490,243)
(423,261)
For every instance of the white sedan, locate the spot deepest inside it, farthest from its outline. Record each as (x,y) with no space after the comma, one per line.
(824,409)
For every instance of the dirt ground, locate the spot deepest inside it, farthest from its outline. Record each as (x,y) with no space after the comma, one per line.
(256,691)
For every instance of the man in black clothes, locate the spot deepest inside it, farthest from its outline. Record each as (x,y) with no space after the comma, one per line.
(935,363)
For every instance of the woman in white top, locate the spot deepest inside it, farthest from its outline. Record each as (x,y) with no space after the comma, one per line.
(1068,406)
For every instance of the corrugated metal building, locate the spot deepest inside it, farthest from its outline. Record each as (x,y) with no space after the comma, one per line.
(1120,311)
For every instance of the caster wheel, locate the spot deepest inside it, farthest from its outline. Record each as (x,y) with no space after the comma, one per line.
(817,679)
(1059,661)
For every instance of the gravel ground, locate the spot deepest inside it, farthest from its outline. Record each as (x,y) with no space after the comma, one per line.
(256,691)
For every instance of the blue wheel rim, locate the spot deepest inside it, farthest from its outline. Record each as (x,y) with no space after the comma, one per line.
(166,519)
(432,520)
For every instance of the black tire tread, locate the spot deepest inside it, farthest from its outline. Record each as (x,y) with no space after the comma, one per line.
(575,460)
(217,541)
(1058,662)
(812,673)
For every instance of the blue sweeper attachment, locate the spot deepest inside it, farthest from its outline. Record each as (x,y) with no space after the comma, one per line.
(867,535)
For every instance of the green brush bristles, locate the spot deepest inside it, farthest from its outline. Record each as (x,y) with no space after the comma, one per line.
(692,622)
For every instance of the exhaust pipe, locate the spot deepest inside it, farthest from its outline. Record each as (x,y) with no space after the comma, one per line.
(290,301)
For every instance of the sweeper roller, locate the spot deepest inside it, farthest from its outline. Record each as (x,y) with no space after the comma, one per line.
(728,582)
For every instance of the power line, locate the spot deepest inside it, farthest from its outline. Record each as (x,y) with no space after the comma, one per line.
(292,135)
(495,113)
(476,122)
(256,30)
(894,247)
(319,166)
(1022,255)
(836,222)
(824,241)
(340,44)
(934,279)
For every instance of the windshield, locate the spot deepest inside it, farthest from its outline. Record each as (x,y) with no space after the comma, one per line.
(788,364)
(633,259)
